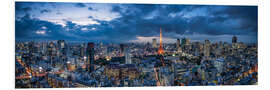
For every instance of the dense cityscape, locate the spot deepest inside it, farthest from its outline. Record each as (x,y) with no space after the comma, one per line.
(64,64)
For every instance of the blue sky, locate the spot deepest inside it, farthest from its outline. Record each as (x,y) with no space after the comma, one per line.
(120,23)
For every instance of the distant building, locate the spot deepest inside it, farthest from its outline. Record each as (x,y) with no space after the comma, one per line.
(178,43)
(61,44)
(178,47)
(234,42)
(219,64)
(207,48)
(119,71)
(183,41)
(187,41)
(50,48)
(234,39)
(122,46)
(154,44)
(90,55)
(82,50)
(127,56)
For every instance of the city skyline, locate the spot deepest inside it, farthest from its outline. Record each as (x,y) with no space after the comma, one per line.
(122,23)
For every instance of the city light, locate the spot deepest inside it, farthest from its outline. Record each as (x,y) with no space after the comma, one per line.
(134,45)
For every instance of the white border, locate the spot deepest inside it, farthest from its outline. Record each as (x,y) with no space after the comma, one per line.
(200,2)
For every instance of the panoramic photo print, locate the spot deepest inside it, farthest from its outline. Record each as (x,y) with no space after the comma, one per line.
(80,45)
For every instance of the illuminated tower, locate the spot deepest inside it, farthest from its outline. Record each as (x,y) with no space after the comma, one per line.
(160,50)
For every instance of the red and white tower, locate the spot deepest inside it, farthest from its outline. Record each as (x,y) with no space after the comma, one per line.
(160,50)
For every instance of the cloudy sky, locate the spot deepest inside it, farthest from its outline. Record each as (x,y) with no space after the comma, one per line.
(121,23)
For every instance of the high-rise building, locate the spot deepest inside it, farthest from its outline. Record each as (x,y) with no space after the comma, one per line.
(178,47)
(122,46)
(187,41)
(62,46)
(207,48)
(183,41)
(178,43)
(234,42)
(127,55)
(50,48)
(154,43)
(90,56)
(82,50)
(234,39)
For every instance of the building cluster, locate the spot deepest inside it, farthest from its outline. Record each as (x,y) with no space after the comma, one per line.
(183,63)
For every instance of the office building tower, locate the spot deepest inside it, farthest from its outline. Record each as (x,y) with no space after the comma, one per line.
(82,50)
(178,43)
(90,56)
(50,49)
(122,46)
(154,45)
(207,48)
(183,41)
(61,44)
(178,47)
(187,41)
(127,55)
(234,42)
(234,39)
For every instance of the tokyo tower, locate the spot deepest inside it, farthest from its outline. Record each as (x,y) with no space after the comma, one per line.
(160,50)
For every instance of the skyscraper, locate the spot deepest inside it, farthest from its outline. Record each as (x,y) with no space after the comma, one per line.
(62,46)
(178,43)
(183,41)
(234,39)
(234,42)
(187,41)
(154,43)
(179,50)
(82,50)
(207,48)
(127,56)
(122,50)
(90,55)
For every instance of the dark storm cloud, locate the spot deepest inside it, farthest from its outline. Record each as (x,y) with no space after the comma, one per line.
(146,20)
(27,27)
(20,7)
(90,8)
(45,11)
(247,14)
(212,24)
(135,15)
(81,5)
